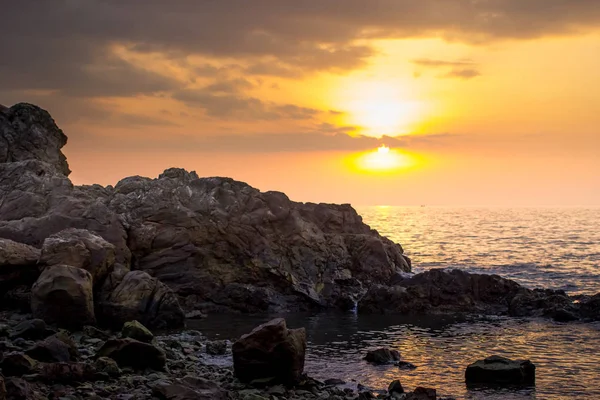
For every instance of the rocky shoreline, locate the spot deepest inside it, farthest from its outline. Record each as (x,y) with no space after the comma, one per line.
(84,258)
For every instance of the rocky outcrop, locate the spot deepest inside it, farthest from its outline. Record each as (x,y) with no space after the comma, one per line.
(270,351)
(220,245)
(63,295)
(496,370)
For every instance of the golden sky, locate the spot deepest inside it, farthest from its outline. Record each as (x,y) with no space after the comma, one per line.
(481,102)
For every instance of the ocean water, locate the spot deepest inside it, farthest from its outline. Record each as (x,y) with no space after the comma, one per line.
(554,248)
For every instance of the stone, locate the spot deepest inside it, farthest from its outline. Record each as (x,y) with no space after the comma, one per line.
(395,387)
(50,350)
(80,248)
(67,372)
(63,295)
(132,353)
(216,347)
(108,366)
(138,296)
(137,331)
(17,364)
(190,388)
(590,307)
(497,370)
(18,389)
(18,264)
(421,393)
(382,356)
(271,350)
(96,333)
(33,329)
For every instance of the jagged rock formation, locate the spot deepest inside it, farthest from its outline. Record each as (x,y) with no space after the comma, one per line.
(217,243)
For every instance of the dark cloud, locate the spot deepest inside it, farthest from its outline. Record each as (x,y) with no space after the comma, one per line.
(466,73)
(461,69)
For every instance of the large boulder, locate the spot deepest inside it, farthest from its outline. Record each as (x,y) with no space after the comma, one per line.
(29,133)
(497,370)
(138,296)
(271,350)
(133,353)
(80,248)
(63,295)
(18,265)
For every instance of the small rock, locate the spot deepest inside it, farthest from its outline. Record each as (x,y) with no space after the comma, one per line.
(382,356)
(421,393)
(133,353)
(96,333)
(108,366)
(34,329)
(135,330)
(395,387)
(278,390)
(500,370)
(17,364)
(216,347)
(50,350)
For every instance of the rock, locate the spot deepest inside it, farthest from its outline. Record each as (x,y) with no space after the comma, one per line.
(542,302)
(590,307)
(564,315)
(216,347)
(67,373)
(498,370)
(18,389)
(190,388)
(63,295)
(421,393)
(18,265)
(80,248)
(30,133)
(107,366)
(141,297)
(132,353)
(50,350)
(96,333)
(137,331)
(395,387)
(382,356)
(32,329)
(17,364)
(270,350)
(442,291)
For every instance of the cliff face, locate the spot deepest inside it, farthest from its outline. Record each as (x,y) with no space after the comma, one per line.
(217,243)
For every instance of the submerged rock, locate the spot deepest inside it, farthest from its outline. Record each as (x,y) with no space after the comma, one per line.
(64,295)
(271,350)
(382,356)
(499,370)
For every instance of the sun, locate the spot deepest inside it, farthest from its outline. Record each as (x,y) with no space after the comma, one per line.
(381,160)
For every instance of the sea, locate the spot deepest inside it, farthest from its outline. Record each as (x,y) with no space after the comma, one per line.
(555,248)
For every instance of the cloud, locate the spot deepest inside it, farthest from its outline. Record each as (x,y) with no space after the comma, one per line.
(461,69)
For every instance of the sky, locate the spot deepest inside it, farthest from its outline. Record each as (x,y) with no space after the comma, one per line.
(471,102)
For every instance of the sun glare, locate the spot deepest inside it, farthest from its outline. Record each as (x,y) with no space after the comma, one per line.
(381,160)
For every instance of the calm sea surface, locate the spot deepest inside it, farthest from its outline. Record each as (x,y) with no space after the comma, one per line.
(556,248)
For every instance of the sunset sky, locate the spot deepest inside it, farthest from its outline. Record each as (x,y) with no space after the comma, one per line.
(481,102)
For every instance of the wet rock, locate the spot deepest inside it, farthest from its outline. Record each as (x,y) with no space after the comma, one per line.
(216,347)
(382,356)
(63,295)
(138,296)
(271,350)
(80,248)
(590,307)
(33,329)
(96,333)
(17,364)
(421,393)
(18,265)
(395,387)
(137,331)
(499,370)
(18,389)
(564,315)
(50,350)
(132,353)
(190,388)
